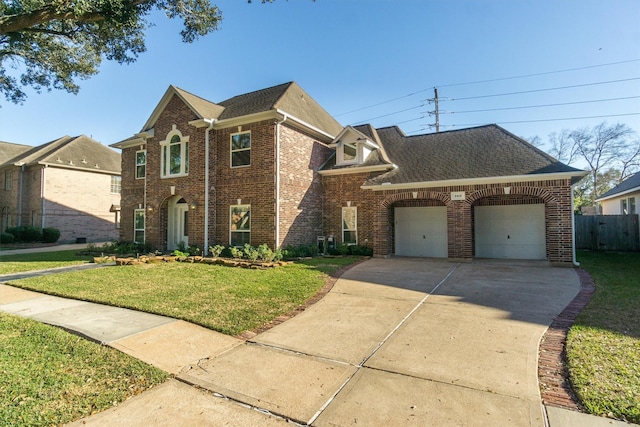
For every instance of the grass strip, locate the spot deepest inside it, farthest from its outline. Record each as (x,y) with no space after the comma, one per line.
(603,346)
(40,261)
(227,300)
(51,377)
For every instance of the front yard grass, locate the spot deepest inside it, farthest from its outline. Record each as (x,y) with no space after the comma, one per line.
(225,299)
(51,377)
(603,346)
(40,261)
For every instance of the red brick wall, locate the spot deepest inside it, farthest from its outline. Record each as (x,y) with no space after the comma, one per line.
(375,211)
(300,187)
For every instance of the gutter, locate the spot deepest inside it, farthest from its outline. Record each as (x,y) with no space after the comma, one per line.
(205,250)
(20,187)
(277,178)
(42,196)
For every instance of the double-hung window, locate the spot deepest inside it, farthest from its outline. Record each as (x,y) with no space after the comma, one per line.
(628,206)
(138,225)
(141,164)
(8,180)
(174,157)
(116,184)
(350,225)
(240,225)
(240,149)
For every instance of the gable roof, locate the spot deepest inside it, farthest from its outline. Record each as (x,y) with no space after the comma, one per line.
(289,98)
(80,152)
(9,150)
(629,185)
(475,153)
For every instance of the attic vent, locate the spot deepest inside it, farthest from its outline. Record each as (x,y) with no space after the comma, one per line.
(97,167)
(71,162)
(84,161)
(59,160)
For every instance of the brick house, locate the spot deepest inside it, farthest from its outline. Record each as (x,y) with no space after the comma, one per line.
(71,183)
(274,167)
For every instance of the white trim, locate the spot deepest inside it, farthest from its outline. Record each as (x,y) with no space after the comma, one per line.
(622,193)
(145,164)
(144,226)
(355,210)
(184,154)
(137,139)
(345,171)
(472,181)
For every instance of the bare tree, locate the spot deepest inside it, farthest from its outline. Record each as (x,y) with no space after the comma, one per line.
(604,148)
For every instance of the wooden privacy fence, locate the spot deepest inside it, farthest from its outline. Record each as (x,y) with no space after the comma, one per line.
(607,232)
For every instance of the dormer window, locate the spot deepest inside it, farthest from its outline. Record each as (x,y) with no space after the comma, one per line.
(354,152)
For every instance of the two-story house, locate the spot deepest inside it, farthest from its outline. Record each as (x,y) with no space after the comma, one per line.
(272,166)
(70,183)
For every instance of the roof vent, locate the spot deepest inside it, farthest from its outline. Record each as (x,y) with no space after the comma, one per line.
(97,167)
(59,160)
(71,162)
(84,161)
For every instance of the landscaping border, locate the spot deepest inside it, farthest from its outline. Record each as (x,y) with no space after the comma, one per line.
(553,378)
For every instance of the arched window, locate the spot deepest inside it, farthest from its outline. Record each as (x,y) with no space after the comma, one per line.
(174,152)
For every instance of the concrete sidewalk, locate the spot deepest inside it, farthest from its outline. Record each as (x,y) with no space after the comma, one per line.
(396,342)
(52,248)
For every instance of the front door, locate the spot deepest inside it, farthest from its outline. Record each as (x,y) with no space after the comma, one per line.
(178,223)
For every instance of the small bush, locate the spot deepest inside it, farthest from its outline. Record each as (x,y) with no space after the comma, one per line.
(6,238)
(32,234)
(235,252)
(216,250)
(265,253)
(194,250)
(18,233)
(50,235)
(278,255)
(250,252)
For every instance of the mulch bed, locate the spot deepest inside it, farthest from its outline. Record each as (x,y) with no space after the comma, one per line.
(555,388)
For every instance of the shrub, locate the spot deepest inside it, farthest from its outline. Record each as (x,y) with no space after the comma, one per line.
(277,255)
(50,235)
(32,234)
(6,238)
(18,233)
(250,252)
(235,252)
(216,250)
(265,253)
(194,250)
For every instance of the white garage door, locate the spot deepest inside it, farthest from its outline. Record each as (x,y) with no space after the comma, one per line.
(421,232)
(515,232)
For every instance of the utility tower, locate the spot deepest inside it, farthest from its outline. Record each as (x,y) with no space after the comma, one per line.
(436,111)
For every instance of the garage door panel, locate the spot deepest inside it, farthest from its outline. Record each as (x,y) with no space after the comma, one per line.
(421,231)
(515,231)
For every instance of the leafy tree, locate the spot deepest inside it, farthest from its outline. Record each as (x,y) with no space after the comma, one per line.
(51,43)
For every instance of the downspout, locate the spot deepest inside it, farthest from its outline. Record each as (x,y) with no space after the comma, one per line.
(42,195)
(573,230)
(284,118)
(20,187)
(205,250)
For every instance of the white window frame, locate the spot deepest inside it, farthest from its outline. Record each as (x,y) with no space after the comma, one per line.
(232,151)
(165,154)
(116,184)
(355,224)
(245,221)
(136,229)
(143,165)
(363,148)
(628,206)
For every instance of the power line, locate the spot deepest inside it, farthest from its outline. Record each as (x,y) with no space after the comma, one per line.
(542,90)
(487,81)
(548,120)
(541,106)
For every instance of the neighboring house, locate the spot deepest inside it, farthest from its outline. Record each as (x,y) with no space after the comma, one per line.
(71,183)
(274,167)
(623,199)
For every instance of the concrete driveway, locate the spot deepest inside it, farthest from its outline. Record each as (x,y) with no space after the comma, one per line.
(404,342)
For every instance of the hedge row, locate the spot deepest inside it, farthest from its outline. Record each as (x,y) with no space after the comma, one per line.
(29,234)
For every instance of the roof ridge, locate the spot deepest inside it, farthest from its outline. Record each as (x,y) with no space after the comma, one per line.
(179,89)
(256,91)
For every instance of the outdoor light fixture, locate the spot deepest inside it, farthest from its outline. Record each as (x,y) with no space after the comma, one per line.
(193,206)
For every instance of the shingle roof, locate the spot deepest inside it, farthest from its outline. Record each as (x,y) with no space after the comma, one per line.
(9,150)
(481,152)
(79,152)
(631,183)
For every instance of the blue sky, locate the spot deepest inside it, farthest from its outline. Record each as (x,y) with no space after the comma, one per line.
(352,54)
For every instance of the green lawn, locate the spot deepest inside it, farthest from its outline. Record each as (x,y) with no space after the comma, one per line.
(603,346)
(51,377)
(225,299)
(39,261)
